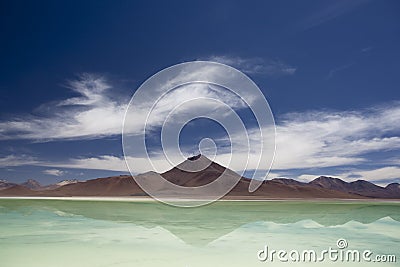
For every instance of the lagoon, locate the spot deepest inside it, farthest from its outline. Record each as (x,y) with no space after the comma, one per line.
(95,232)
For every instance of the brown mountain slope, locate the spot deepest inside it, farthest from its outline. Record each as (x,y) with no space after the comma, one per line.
(208,171)
(17,190)
(110,186)
(32,184)
(322,187)
(276,189)
(359,187)
(4,184)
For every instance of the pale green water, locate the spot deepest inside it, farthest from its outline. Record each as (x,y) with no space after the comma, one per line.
(103,233)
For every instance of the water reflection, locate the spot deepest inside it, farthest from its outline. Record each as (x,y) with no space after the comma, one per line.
(203,225)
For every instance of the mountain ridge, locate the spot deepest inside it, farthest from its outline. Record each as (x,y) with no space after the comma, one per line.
(207,171)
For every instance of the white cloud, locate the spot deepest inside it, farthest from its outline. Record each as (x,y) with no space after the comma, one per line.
(335,70)
(112,163)
(323,139)
(256,65)
(272,175)
(328,12)
(95,114)
(366,49)
(303,140)
(105,162)
(92,114)
(189,101)
(17,160)
(54,172)
(376,175)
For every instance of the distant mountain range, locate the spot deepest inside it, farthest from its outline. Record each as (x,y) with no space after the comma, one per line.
(278,188)
(35,185)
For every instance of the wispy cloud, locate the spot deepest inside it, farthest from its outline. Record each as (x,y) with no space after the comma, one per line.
(335,70)
(256,65)
(17,160)
(96,114)
(90,115)
(112,163)
(323,139)
(329,12)
(54,172)
(366,49)
(319,139)
(379,175)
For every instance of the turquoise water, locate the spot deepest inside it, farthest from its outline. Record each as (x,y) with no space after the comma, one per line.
(145,233)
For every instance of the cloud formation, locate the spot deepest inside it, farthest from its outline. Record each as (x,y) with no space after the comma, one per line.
(256,65)
(92,114)
(379,175)
(110,163)
(54,172)
(95,114)
(17,160)
(323,139)
(306,140)
(330,12)
(334,71)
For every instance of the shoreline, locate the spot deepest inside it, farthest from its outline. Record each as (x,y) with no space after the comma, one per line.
(149,199)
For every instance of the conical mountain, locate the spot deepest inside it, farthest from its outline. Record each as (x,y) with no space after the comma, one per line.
(197,171)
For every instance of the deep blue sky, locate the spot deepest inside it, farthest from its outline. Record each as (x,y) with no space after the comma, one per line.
(345,55)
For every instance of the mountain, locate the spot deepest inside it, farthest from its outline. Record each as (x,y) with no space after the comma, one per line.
(277,189)
(122,185)
(59,184)
(4,184)
(17,190)
(359,187)
(32,184)
(198,171)
(329,183)
(35,185)
(394,187)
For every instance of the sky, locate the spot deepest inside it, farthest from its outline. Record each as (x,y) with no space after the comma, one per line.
(329,70)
